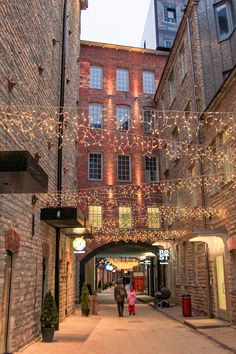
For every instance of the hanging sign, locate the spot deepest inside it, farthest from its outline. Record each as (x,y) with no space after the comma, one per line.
(164,256)
(79,245)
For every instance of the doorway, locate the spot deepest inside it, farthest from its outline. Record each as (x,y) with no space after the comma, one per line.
(7,301)
(221,292)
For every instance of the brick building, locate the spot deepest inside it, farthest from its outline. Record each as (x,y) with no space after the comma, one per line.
(199,78)
(117,84)
(31,51)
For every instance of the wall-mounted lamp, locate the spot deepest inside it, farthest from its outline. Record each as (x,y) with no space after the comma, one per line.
(110,97)
(136,98)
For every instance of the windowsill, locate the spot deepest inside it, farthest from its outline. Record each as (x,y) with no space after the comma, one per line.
(95,180)
(227,37)
(124,181)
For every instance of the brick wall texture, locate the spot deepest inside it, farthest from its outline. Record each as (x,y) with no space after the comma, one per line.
(32,40)
(193,92)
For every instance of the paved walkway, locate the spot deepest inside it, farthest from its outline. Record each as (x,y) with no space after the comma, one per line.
(149,332)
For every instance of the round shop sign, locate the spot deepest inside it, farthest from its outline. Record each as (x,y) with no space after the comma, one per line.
(79,244)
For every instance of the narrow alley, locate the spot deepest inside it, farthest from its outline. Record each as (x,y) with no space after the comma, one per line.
(149,332)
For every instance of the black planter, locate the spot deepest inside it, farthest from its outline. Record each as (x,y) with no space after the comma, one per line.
(85,312)
(48,334)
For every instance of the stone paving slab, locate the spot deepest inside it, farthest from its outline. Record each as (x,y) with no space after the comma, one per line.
(204,323)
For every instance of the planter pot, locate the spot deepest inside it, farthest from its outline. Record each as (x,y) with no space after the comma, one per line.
(85,312)
(48,334)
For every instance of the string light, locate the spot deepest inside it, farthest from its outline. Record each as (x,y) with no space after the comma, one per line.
(125,263)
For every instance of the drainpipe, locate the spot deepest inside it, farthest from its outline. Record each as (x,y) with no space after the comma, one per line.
(203,196)
(59,154)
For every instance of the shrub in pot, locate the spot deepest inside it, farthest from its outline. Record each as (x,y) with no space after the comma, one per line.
(49,317)
(85,300)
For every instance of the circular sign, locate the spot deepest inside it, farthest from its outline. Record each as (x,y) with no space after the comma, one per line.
(79,244)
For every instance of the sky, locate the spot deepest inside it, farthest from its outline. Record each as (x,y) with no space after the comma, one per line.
(115,21)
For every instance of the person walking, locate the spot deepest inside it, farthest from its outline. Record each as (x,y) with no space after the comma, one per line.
(120,295)
(131,301)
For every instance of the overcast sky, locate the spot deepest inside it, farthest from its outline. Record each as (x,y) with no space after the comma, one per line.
(115,21)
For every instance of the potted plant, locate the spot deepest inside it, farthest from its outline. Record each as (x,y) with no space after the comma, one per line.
(85,300)
(49,317)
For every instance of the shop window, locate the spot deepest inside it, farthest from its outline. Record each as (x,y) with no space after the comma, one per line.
(95,216)
(125,218)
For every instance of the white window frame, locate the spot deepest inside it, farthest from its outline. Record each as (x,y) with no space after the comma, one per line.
(95,79)
(125,211)
(122,80)
(118,127)
(149,82)
(153,213)
(95,179)
(148,179)
(227,4)
(91,111)
(95,216)
(120,180)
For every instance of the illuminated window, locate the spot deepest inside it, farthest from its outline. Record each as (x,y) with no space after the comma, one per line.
(148,82)
(228,154)
(95,166)
(122,80)
(151,169)
(122,118)
(194,189)
(125,219)
(95,115)
(170,13)
(123,168)
(149,121)
(95,216)
(153,218)
(224,19)
(96,77)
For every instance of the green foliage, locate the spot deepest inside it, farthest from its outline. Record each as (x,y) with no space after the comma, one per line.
(84,300)
(49,316)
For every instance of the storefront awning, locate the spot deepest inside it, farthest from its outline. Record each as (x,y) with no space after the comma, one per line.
(21,173)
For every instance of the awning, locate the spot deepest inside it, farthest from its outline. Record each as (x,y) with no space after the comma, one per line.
(68,218)
(21,173)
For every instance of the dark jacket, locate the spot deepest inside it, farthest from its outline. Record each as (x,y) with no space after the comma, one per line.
(120,293)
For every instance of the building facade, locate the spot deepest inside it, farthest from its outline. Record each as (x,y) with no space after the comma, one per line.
(30,94)
(116,95)
(162,23)
(200,153)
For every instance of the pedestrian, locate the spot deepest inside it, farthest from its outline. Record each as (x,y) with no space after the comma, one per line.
(131,301)
(120,295)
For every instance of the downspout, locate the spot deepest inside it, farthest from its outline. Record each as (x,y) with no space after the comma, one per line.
(203,196)
(59,153)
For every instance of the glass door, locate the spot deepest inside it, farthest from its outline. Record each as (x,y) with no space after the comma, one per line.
(221,293)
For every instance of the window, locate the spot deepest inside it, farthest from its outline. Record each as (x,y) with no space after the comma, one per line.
(170,13)
(95,216)
(168,43)
(122,118)
(96,77)
(148,82)
(125,219)
(194,191)
(153,218)
(182,62)
(122,80)
(228,153)
(151,169)
(149,121)
(123,168)
(95,115)
(224,20)
(172,88)
(95,166)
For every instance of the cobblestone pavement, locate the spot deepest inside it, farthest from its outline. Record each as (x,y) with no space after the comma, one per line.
(149,332)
